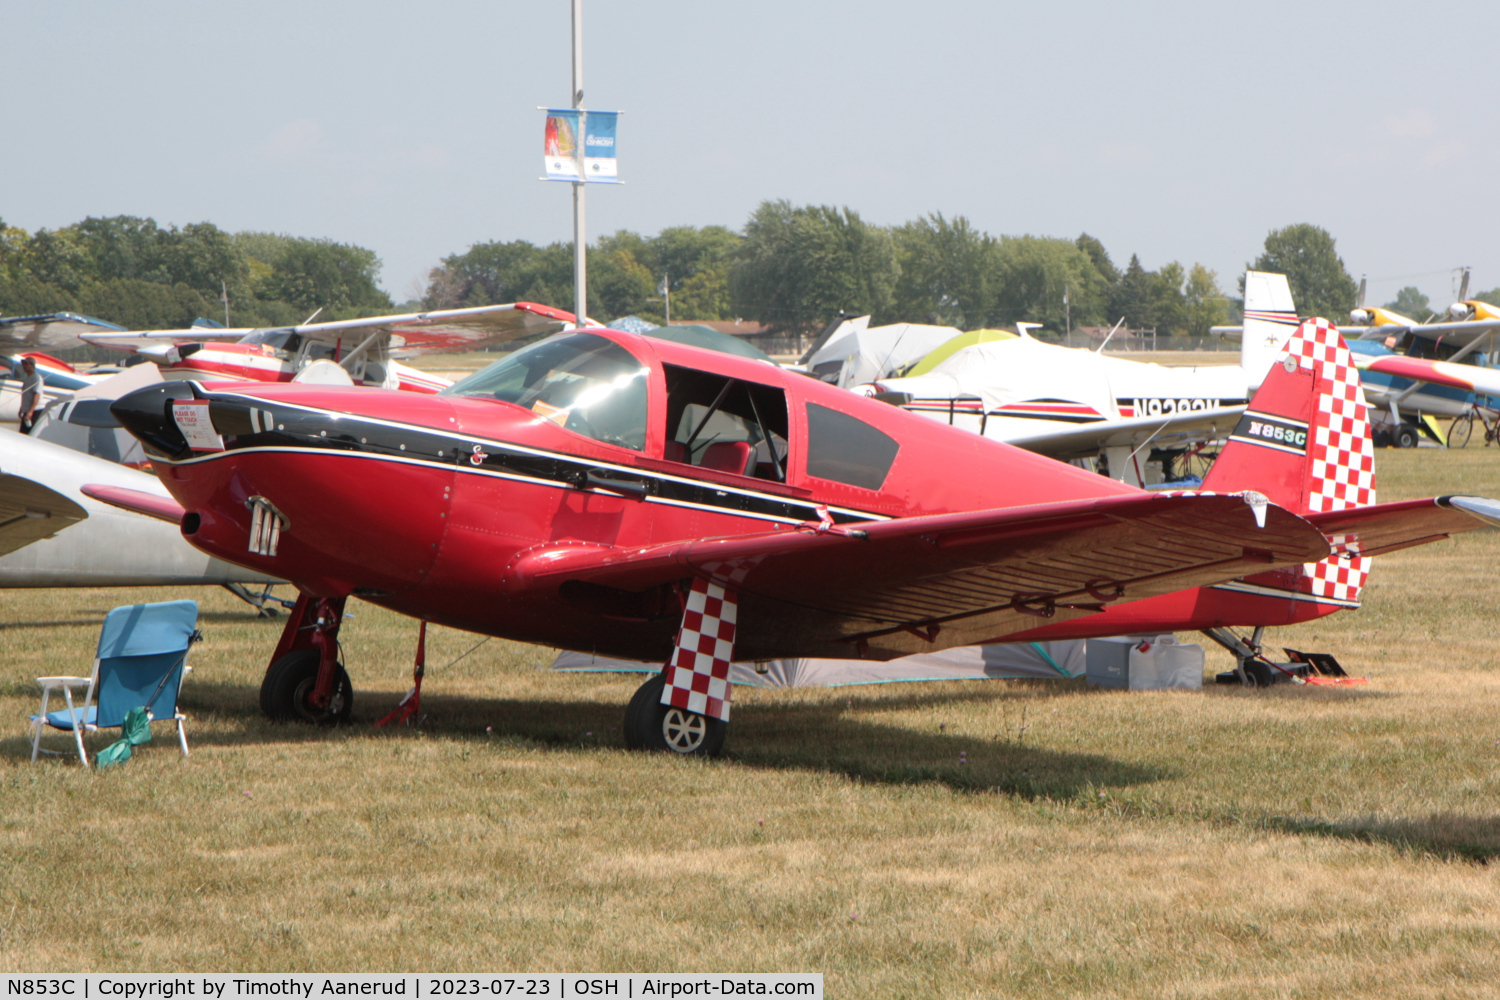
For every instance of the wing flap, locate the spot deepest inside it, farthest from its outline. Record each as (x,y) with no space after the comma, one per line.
(925,583)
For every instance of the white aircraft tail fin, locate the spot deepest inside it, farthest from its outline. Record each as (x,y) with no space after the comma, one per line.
(1270,318)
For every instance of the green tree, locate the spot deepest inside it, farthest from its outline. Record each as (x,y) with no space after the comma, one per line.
(1204,304)
(1412,304)
(492,273)
(686,251)
(1306,254)
(1029,275)
(944,272)
(799,266)
(1151,300)
(1099,257)
(704,296)
(618,285)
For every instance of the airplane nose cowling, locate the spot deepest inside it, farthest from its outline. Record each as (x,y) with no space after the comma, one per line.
(147,413)
(291,483)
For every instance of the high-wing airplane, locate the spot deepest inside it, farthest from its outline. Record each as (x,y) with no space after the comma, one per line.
(601,491)
(1072,403)
(343,352)
(1415,371)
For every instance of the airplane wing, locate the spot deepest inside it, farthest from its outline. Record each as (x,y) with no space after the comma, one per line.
(30,512)
(1387,527)
(50,332)
(410,333)
(1470,378)
(1082,440)
(1456,333)
(919,584)
(138,340)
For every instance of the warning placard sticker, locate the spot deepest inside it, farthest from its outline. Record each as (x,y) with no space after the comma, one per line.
(194,423)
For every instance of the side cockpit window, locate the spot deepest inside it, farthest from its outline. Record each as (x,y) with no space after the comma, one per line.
(847,450)
(726,424)
(580,381)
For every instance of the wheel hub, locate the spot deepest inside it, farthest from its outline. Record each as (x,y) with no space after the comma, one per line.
(684,731)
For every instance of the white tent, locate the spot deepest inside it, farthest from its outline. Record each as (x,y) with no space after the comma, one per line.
(1049,660)
(856,353)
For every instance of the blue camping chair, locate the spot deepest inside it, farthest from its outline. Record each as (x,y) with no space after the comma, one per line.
(141,660)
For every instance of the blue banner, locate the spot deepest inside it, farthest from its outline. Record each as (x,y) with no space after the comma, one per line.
(592,159)
(599,162)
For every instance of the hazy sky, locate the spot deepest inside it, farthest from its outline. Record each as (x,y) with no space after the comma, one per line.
(1175,130)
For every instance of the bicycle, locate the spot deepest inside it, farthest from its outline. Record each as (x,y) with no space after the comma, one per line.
(1462,427)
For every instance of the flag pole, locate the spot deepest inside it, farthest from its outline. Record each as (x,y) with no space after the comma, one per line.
(580,244)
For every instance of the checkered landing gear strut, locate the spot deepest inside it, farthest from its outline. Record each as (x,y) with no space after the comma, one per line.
(685,708)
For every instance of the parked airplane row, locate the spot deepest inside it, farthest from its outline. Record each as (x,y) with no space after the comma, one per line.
(607,492)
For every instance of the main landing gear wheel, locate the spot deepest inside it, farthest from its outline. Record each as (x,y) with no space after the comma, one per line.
(1405,436)
(650,725)
(291,679)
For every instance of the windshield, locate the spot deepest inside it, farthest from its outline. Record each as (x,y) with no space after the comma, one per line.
(580,381)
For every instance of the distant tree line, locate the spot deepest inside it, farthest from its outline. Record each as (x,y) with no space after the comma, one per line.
(793,268)
(135,273)
(790,267)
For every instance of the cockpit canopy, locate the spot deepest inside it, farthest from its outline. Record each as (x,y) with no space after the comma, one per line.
(580,381)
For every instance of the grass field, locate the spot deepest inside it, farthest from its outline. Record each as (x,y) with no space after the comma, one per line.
(975,839)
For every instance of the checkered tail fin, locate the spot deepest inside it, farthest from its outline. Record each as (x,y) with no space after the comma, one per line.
(1304,442)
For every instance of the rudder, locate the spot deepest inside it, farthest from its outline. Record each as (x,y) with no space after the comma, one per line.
(1304,442)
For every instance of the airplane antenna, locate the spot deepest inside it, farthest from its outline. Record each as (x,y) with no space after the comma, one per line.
(1100,348)
(313,316)
(224,294)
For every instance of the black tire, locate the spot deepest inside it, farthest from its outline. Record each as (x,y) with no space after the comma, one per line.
(1406,436)
(650,725)
(283,694)
(1259,674)
(1460,431)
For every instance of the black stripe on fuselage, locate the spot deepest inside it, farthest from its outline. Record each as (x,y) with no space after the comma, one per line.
(287,427)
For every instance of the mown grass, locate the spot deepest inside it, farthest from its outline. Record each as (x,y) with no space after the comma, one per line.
(946,840)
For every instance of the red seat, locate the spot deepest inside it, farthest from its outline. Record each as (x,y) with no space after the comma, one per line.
(728,456)
(676,452)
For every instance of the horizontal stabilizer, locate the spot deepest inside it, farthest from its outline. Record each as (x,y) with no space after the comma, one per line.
(1388,527)
(1085,440)
(149,504)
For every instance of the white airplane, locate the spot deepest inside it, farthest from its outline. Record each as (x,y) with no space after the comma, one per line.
(1072,403)
(851,352)
(54,534)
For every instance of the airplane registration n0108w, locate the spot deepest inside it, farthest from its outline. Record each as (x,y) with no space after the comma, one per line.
(601,491)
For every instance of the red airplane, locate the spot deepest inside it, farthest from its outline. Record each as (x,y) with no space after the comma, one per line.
(603,491)
(348,352)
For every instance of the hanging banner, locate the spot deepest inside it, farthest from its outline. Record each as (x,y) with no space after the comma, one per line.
(560,147)
(599,147)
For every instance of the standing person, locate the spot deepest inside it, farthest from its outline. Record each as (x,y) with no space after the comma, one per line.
(31,393)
